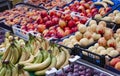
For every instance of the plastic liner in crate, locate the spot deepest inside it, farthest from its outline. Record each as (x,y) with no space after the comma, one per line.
(30,6)
(109,24)
(89,56)
(111,68)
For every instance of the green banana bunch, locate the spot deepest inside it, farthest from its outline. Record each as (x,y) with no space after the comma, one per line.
(39,66)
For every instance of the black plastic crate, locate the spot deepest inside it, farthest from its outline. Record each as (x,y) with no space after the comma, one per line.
(94,58)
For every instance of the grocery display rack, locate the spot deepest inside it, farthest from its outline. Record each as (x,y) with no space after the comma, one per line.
(99,60)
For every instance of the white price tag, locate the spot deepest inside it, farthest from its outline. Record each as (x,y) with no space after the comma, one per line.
(51,72)
(74,58)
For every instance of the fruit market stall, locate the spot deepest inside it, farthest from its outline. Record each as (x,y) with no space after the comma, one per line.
(60,38)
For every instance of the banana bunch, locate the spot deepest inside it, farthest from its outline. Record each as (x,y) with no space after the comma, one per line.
(11,54)
(8,69)
(45,60)
(104,3)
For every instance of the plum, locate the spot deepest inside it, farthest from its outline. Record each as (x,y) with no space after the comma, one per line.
(103,74)
(75,74)
(82,72)
(82,67)
(70,74)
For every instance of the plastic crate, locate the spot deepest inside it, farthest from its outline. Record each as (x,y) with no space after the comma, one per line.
(89,56)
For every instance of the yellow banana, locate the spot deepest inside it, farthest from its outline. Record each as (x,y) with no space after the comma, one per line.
(15,54)
(35,67)
(9,55)
(67,54)
(101,3)
(53,64)
(38,58)
(3,71)
(31,59)
(23,57)
(109,2)
(8,71)
(5,55)
(60,59)
(45,55)
(14,70)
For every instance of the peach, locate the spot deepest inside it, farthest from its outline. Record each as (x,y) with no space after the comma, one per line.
(102,41)
(117,66)
(114,61)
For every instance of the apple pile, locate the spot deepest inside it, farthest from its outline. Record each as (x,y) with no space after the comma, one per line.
(57,24)
(10,16)
(88,35)
(86,8)
(115,62)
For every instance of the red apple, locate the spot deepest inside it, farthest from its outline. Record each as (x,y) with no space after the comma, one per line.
(74,29)
(117,66)
(81,9)
(52,32)
(30,26)
(94,10)
(66,28)
(55,20)
(58,14)
(62,23)
(60,32)
(88,10)
(75,18)
(83,20)
(52,13)
(67,32)
(114,61)
(45,19)
(90,2)
(89,15)
(43,13)
(41,28)
(48,24)
(67,17)
(71,24)
(40,21)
